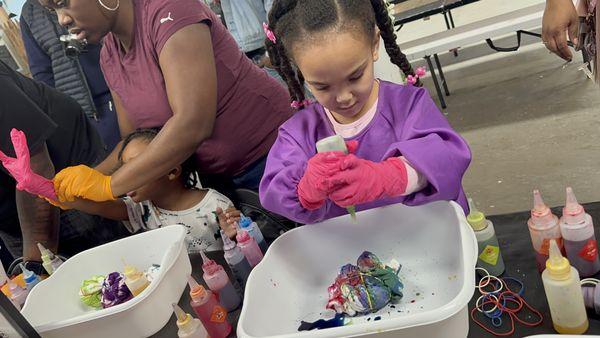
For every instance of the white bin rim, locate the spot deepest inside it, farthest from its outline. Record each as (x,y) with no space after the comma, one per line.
(458,303)
(175,233)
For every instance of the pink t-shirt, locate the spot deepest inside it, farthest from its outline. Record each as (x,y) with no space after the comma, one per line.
(250,104)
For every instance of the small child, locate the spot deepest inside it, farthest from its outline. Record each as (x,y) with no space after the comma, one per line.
(171,199)
(402,149)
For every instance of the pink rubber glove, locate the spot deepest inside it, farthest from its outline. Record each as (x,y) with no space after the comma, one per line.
(313,188)
(361,181)
(20,169)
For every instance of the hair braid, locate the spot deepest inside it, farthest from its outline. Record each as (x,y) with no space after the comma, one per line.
(277,53)
(386,29)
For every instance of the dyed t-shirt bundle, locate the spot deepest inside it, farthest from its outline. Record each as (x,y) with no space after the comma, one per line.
(106,291)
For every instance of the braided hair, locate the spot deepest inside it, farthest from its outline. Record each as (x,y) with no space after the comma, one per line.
(294,21)
(189,174)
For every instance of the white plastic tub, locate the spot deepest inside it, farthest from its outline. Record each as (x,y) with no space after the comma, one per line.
(55,310)
(434,243)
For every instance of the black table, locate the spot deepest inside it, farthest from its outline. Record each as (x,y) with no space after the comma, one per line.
(519,259)
(518,254)
(413,10)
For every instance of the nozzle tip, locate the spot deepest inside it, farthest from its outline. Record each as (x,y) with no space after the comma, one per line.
(572,207)
(192,283)
(554,250)
(179,313)
(41,248)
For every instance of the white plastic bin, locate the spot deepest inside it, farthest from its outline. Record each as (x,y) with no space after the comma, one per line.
(434,244)
(55,310)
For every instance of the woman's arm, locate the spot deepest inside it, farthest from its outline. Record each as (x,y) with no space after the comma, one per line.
(189,70)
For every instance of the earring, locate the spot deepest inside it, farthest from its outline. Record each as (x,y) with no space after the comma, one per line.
(108,8)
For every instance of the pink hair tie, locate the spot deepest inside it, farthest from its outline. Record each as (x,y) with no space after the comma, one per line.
(412,80)
(300,104)
(269,33)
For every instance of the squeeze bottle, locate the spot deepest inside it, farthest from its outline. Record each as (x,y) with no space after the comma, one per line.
(236,260)
(489,256)
(208,309)
(543,226)
(249,247)
(217,280)
(247,224)
(135,280)
(188,327)
(50,261)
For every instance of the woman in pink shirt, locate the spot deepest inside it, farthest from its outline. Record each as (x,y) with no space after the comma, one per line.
(172,64)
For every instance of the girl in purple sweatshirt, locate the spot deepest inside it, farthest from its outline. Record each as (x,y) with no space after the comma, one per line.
(402,149)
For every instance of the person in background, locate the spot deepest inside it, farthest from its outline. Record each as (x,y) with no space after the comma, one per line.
(171,64)
(563,19)
(79,77)
(58,135)
(244,21)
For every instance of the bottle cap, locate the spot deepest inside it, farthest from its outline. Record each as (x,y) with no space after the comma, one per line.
(209,266)
(558,266)
(242,236)
(476,218)
(228,244)
(47,255)
(131,272)
(245,222)
(15,289)
(182,317)
(573,212)
(28,275)
(541,214)
(197,291)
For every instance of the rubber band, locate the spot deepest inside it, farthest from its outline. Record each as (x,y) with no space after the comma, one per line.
(590,281)
(490,277)
(487,274)
(482,269)
(507,302)
(483,298)
(497,321)
(499,334)
(518,281)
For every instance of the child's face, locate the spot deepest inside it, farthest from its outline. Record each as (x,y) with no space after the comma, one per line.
(339,70)
(149,191)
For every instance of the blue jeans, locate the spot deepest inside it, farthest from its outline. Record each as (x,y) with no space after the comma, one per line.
(107,125)
(250,179)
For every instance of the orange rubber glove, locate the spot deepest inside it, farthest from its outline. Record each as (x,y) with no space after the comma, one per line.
(82,181)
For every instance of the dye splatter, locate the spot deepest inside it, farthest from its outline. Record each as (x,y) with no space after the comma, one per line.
(377,318)
(336,321)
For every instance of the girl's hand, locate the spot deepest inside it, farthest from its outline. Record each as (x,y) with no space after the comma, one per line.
(560,18)
(228,220)
(313,188)
(361,181)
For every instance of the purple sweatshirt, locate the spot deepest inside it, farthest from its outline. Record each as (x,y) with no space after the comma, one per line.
(407,123)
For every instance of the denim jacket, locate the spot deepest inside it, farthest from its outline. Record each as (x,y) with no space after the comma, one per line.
(244,20)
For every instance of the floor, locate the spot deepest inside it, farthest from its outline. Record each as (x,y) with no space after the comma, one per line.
(531,123)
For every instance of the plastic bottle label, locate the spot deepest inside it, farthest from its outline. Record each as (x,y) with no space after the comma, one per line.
(490,254)
(589,250)
(218,315)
